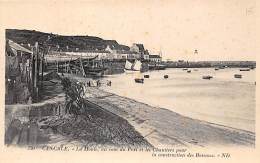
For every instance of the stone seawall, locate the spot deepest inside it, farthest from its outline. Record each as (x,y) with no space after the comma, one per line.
(21,126)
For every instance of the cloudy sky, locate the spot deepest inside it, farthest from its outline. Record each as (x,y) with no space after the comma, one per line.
(219,29)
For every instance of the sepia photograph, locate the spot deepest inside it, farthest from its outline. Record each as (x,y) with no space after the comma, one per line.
(160,77)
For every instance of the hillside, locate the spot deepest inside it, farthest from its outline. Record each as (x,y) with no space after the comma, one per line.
(65,43)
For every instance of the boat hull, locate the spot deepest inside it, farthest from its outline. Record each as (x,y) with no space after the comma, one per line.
(130,71)
(146,76)
(207,77)
(139,80)
(244,69)
(237,76)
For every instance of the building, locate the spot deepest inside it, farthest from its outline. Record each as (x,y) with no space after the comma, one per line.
(18,73)
(138,48)
(63,56)
(155,58)
(137,51)
(146,55)
(119,54)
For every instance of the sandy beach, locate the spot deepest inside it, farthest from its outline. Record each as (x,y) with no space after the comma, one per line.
(162,127)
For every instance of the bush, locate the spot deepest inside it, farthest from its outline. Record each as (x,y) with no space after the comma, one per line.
(74,91)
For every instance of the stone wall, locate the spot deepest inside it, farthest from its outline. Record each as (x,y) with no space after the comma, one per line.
(20,120)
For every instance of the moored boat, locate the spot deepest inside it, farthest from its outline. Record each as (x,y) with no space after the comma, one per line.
(207,77)
(146,76)
(237,76)
(166,76)
(136,66)
(245,69)
(216,69)
(189,71)
(94,71)
(139,80)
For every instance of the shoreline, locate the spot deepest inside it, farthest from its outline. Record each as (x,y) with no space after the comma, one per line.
(155,124)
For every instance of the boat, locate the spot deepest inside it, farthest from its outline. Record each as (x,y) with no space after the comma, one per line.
(207,77)
(237,76)
(128,65)
(94,71)
(216,69)
(136,66)
(245,69)
(146,76)
(189,71)
(139,80)
(88,67)
(166,76)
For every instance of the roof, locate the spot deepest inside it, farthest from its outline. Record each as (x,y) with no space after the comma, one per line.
(125,52)
(88,51)
(140,47)
(18,47)
(154,56)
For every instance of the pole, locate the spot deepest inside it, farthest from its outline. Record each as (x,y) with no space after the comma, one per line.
(36,70)
(42,68)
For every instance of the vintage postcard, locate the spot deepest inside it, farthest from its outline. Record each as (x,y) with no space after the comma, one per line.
(129,81)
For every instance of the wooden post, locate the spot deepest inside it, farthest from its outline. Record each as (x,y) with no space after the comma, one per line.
(36,73)
(42,68)
(69,65)
(82,67)
(57,62)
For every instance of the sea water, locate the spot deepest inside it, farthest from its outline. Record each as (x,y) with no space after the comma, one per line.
(223,100)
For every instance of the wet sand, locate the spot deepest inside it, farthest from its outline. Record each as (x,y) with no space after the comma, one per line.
(162,127)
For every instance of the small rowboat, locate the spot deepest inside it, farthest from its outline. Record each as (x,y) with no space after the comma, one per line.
(166,76)
(207,77)
(237,76)
(139,80)
(245,69)
(146,76)
(189,71)
(216,69)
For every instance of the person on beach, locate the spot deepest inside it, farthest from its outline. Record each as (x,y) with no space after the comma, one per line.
(109,83)
(88,84)
(98,83)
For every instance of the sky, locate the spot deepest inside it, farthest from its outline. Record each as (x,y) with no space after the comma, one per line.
(218,29)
